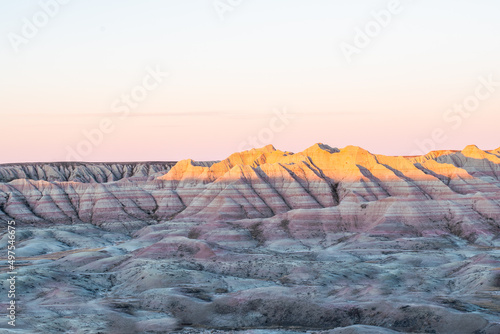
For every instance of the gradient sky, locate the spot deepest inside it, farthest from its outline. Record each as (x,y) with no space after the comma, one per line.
(227,76)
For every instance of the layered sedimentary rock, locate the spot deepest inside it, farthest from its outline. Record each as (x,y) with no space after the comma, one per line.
(81,171)
(441,188)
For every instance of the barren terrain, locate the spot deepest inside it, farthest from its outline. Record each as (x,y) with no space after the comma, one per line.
(323,241)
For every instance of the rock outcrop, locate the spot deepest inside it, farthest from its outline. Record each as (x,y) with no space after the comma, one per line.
(441,191)
(84,172)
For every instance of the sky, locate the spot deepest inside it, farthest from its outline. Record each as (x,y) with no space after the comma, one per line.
(165,80)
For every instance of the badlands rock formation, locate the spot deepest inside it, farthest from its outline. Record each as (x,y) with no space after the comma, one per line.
(326,240)
(82,172)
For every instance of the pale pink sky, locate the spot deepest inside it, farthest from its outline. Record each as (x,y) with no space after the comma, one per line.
(228,78)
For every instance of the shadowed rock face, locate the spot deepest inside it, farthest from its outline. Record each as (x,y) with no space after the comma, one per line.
(82,172)
(327,241)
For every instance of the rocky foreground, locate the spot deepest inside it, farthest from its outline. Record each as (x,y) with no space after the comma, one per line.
(323,241)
